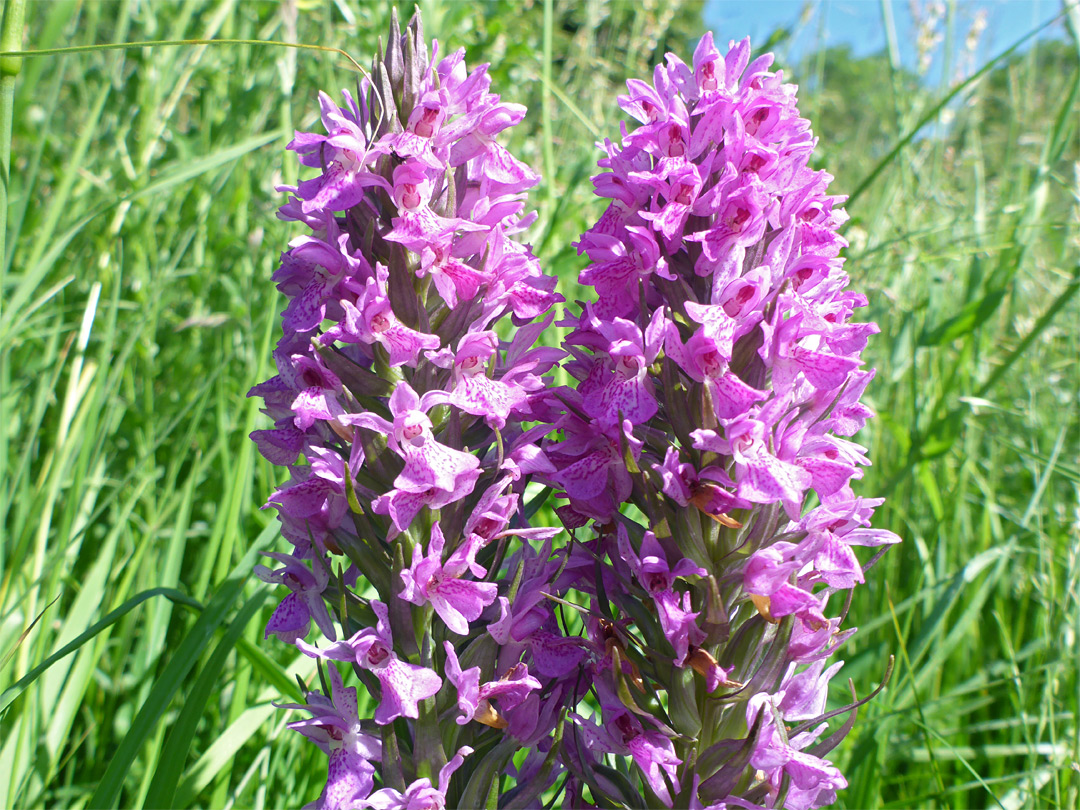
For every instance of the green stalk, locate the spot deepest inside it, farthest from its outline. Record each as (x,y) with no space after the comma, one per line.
(16,54)
(935,110)
(10,39)
(545,108)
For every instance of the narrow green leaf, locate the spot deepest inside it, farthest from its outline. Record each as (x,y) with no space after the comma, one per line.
(111,618)
(528,793)
(187,170)
(486,773)
(220,754)
(174,754)
(970,317)
(932,113)
(187,654)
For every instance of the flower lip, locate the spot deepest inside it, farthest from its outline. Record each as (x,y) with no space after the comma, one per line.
(709,82)
(425,127)
(737,218)
(712,363)
(735,304)
(411,427)
(333,731)
(292,582)
(626,727)
(656,581)
(756,119)
(743,443)
(684,194)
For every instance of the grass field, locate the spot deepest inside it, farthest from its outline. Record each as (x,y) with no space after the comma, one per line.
(136,310)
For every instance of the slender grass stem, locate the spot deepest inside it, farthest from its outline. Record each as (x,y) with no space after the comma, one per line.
(12,53)
(549,145)
(10,39)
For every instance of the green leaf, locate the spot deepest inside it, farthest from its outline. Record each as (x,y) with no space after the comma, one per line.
(187,170)
(970,317)
(526,794)
(173,756)
(111,618)
(941,435)
(187,654)
(484,779)
(934,111)
(220,754)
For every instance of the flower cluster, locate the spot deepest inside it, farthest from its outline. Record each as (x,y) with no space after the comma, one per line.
(674,648)
(718,380)
(401,415)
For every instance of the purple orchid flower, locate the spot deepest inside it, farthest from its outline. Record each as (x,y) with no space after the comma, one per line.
(345,151)
(682,193)
(496,163)
(281,445)
(623,733)
(760,476)
(454,279)
(310,272)
(335,727)
(793,350)
(371,319)
(292,619)
(314,387)
(428,464)
(706,358)
(530,623)
(658,578)
(424,138)
(428,580)
(766,578)
(420,795)
(417,226)
(472,390)
(814,781)
(718,370)
(710,490)
(312,505)
(590,466)
(335,722)
(619,387)
(404,685)
(618,269)
(474,699)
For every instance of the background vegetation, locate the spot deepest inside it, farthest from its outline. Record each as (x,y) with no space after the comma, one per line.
(136,310)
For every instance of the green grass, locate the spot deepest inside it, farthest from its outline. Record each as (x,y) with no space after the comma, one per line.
(136,311)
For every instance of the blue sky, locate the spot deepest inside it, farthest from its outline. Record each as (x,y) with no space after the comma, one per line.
(859,23)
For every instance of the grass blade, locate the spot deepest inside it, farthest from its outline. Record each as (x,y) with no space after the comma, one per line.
(17,688)
(935,110)
(187,654)
(174,754)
